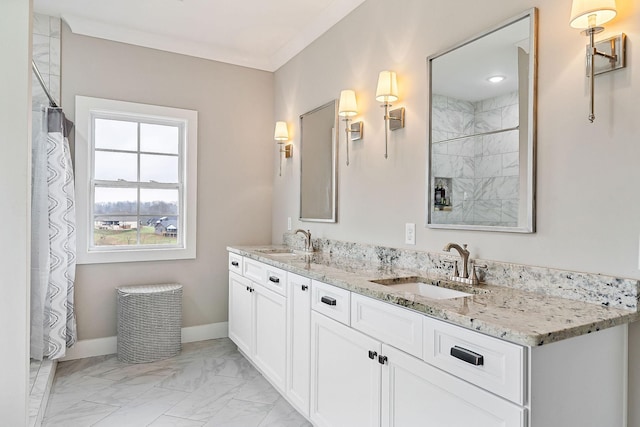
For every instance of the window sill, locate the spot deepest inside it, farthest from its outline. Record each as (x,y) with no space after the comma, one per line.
(135,255)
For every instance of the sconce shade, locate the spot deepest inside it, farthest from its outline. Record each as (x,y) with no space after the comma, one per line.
(347,106)
(387,90)
(281,133)
(601,11)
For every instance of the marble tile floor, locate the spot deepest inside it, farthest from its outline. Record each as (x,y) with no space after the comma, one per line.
(208,384)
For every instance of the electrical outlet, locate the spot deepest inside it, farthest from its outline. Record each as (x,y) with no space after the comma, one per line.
(289,223)
(410,233)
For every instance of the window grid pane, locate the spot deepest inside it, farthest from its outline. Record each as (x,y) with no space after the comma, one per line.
(128,212)
(115,134)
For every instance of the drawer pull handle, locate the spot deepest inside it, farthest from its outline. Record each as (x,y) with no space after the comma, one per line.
(328,300)
(467,355)
(235,263)
(372,354)
(305,287)
(274,279)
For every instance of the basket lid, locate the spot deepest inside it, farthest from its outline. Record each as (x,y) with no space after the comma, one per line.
(148,289)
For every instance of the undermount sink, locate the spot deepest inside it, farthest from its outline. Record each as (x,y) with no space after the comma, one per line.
(418,286)
(278,252)
(272,251)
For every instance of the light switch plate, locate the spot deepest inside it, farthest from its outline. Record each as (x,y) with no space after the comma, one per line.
(289,223)
(410,233)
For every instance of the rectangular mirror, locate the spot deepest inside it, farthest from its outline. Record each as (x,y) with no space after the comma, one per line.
(482,112)
(318,173)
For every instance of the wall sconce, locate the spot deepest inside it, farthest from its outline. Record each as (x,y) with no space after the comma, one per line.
(281,135)
(348,108)
(606,55)
(387,91)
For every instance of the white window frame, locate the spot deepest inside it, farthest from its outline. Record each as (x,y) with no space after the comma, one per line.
(88,108)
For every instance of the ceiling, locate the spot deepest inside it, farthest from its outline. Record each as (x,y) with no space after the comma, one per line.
(262,34)
(462,73)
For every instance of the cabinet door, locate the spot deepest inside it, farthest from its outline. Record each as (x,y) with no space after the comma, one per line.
(414,392)
(270,323)
(299,342)
(345,382)
(241,312)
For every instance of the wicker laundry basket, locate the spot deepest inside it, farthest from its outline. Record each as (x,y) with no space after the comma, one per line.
(149,322)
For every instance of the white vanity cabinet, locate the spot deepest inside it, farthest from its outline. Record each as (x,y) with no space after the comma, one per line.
(298,341)
(258,317)
(344,359)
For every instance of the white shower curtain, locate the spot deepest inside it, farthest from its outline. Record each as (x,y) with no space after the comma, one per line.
(53,244)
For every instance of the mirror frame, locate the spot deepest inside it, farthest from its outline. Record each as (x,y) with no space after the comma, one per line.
(529,225)
(334,163)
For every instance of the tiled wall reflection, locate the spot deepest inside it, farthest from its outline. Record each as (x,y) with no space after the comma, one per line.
(484,169)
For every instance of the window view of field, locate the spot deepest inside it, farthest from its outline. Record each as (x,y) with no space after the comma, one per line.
(126,233)
(114,224)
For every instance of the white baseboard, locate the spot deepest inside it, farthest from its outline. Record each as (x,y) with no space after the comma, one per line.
(109,345)
(205,332)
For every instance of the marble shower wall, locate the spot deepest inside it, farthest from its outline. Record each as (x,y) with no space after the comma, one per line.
(46,54)
(484,169)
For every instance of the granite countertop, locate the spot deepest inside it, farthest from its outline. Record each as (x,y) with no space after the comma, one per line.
(514,315)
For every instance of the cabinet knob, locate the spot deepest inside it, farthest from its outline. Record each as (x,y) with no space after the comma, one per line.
(372,354)
(305,287)
(382,359)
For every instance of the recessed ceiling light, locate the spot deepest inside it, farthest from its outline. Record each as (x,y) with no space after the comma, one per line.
(496,79)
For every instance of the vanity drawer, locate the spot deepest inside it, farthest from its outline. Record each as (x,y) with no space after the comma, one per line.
(331,301)
(275,280)
(235,263)
(254,270)
(390,324)
(490,363)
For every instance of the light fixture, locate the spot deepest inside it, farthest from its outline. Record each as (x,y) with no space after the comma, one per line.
(387,92)
(496,79)
(347,108)
(590,15)
(281,135)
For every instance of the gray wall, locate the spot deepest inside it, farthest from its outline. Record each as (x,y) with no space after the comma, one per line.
(588,216)
(235,136)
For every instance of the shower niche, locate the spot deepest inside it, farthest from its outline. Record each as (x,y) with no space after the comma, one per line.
(442,191)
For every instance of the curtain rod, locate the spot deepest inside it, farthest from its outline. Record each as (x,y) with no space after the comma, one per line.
(52,101)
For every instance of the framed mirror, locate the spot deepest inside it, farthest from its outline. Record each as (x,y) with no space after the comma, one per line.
(482,122)
(318,164)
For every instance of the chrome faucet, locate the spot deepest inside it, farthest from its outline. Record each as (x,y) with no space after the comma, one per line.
(308,247)
(464,254)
